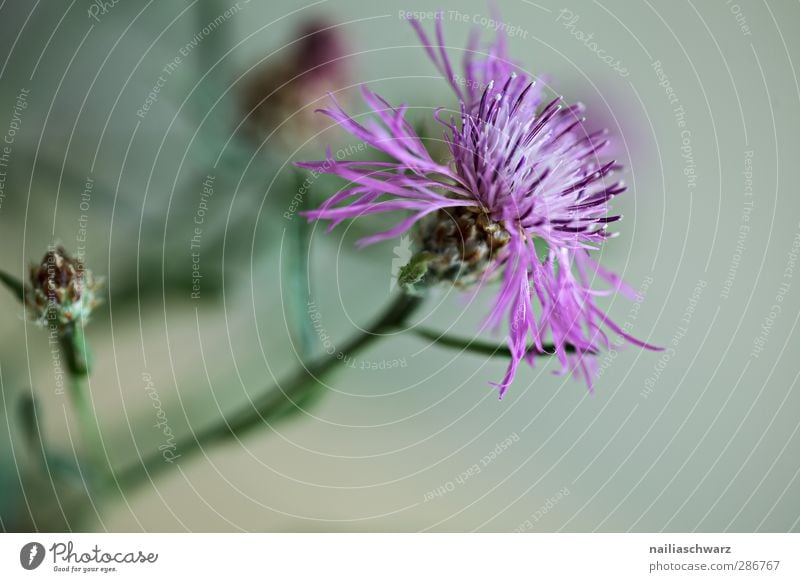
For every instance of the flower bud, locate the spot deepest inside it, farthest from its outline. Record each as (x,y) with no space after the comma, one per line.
(62,291)
(280,99)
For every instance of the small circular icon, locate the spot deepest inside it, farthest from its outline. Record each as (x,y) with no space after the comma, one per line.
(31,555)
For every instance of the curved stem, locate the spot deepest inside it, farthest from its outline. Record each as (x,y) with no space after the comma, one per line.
(276,402)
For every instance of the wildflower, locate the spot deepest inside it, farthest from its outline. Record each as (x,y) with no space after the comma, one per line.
(522,171)
(61,291)
(278,99)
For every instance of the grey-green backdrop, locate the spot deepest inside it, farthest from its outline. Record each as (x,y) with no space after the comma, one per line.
(702,100)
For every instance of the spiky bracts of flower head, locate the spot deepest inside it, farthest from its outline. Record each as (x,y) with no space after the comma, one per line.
(61,290)
(528,168)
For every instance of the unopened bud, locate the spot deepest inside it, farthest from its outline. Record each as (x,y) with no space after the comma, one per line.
(62,291)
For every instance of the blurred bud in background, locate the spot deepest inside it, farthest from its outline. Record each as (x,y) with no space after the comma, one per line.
(281,96)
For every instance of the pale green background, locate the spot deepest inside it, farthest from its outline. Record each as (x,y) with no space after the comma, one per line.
(714,447)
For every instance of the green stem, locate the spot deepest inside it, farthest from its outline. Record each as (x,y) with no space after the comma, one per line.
(76,355)
(486,348)
(297,279)
(276,402)
(75,350)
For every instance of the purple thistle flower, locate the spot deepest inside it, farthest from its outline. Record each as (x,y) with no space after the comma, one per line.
(521,170)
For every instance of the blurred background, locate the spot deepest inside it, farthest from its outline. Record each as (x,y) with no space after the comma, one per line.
(156,140)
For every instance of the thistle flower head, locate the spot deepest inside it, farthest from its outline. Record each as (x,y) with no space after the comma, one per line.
(61,291)
(522,171)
